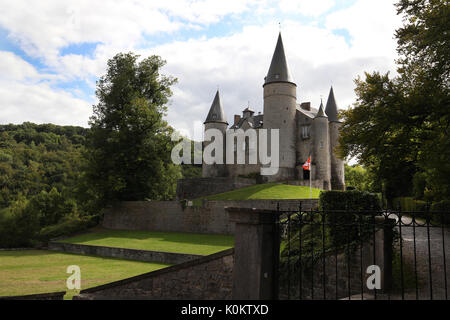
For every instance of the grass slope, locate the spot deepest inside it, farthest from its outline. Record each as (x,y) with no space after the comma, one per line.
(266,191)
(37,271)
(188,243)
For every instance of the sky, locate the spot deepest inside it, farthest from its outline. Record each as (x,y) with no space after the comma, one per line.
(53,51)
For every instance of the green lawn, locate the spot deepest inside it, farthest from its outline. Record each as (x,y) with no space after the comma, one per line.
(37,271)
(266,191)
(188,243)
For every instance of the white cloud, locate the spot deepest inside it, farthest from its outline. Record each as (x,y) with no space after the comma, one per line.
(306,7)
(44,27)
(40,103)
(371,25)
(15,68)
(318,56)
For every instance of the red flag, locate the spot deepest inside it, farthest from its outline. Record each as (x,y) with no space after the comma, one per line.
(307,165)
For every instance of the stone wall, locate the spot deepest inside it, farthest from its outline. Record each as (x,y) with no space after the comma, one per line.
(171,216)
(318,184)
(40,296)
(200,187)
(209,277)
(122,253)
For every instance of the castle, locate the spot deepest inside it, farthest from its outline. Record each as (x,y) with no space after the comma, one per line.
(304,132)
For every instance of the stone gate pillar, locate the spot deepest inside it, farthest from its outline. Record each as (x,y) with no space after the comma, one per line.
(256,254)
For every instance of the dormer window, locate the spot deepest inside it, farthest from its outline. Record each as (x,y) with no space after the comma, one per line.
(306,132)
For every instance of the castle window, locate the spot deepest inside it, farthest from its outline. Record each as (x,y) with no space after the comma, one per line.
(306,132)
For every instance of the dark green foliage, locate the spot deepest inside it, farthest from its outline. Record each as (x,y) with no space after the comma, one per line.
(34,158)
(409,204)
(349,200)
(441,211)
(354,208)
(69,225)
(400,126)
(191,171)
(129,144)
(41,180)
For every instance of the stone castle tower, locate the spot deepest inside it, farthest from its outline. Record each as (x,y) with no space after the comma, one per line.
(304,131)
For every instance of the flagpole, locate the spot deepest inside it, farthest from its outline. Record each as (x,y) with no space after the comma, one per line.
(310,184)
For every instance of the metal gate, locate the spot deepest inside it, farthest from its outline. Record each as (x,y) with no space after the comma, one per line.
(389,255)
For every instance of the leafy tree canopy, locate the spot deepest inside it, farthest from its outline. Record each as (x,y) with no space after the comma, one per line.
(400,126)
(129,144)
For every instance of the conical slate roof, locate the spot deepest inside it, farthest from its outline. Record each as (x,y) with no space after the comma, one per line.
(321,113)
(279,70)
(331,108)
(216,113)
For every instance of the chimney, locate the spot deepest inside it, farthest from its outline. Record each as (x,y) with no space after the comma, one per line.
(237,118)
(306,106)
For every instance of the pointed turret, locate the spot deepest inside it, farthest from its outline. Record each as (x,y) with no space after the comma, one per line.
(280,109)
(279,70)
(321,113)
(337,164)
(331,109)
(216,113)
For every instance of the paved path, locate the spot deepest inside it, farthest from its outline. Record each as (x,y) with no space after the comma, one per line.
(439,240)
(438,249)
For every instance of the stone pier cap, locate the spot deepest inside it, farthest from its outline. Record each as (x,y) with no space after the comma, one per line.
(252,215)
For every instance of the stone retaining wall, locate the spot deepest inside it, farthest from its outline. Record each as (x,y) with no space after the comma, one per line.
(206,278)
(122,253)
(200,187)
(40,296)
(171,216)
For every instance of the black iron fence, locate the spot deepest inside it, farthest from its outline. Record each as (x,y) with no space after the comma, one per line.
(362,255)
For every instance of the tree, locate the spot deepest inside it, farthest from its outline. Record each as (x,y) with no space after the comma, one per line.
(129,144)
(400,126)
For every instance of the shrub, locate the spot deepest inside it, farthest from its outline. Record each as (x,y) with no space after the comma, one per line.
(441,211)
(409,204)
(68,226)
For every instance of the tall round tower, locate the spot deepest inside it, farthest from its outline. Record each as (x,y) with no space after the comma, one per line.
(337,164)
(215,120)
(280,103)
(321,149)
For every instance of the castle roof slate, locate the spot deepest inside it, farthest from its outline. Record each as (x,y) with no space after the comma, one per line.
(216,113)
(279,70)
(331,109)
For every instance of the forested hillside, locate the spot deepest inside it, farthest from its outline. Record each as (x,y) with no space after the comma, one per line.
(43,189)
(40,181)
(37,158)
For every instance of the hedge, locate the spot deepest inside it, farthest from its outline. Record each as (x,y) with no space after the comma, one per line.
(352,200)
(345,226)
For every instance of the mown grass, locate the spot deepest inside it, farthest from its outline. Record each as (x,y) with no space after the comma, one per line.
(189,243)
(38,271)
(265,191)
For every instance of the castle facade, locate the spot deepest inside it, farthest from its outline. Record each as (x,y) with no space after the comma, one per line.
(304,131)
